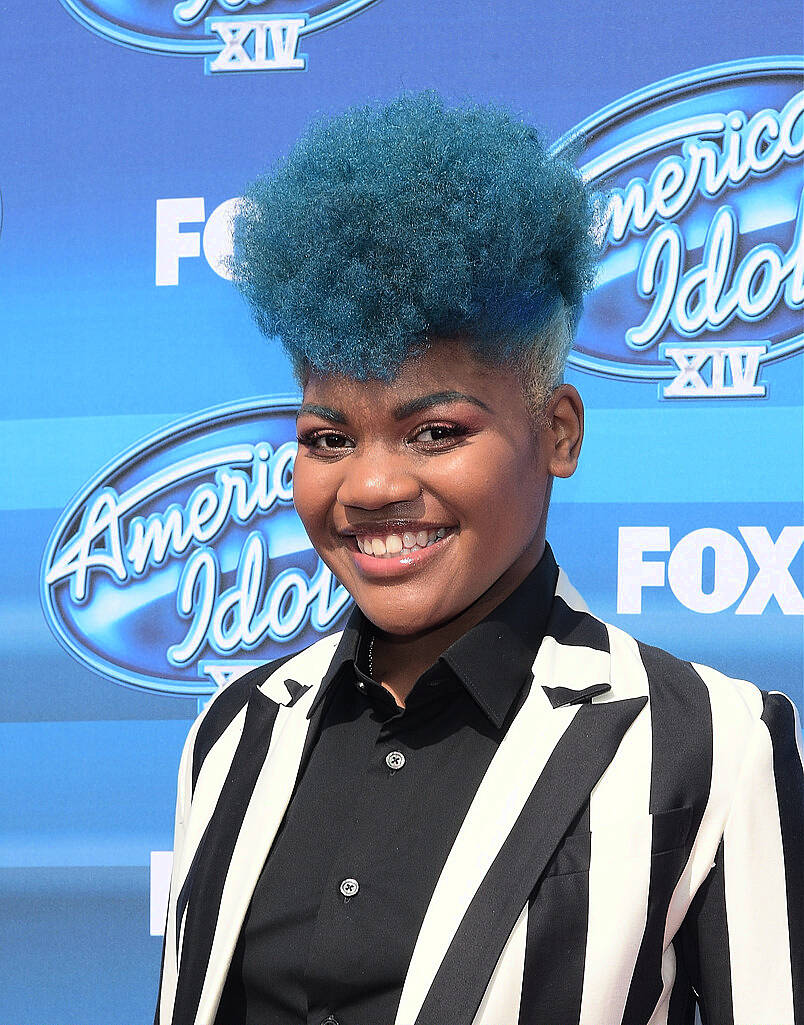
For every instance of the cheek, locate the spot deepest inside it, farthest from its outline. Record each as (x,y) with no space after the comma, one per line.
(310,494)
(501,496)
(495,477)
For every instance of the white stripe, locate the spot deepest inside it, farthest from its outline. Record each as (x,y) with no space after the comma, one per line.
(619,871)
(170,966)
(264,813)
(506,785)
(500,1003)
(568,593)
(756,898)
(572,665)
(627,673)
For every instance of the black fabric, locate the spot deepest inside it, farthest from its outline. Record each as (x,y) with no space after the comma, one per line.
(704,944)
(681,774)
(558,914)
(305,950)
(559,697)
(577,628)
(779,716)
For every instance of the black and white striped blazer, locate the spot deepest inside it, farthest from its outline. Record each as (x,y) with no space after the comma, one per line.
(635,845)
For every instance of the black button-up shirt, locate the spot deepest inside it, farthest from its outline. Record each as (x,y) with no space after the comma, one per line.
(379,800)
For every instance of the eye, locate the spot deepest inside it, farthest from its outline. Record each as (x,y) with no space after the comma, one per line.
(325,441)
(439,435)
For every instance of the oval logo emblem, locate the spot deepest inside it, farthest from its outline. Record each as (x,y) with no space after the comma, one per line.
(183,564)
(235,35)
(702,273)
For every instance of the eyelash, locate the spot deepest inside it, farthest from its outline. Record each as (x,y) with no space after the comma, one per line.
(453,433)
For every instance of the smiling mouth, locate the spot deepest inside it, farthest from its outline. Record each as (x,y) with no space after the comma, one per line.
(395,546)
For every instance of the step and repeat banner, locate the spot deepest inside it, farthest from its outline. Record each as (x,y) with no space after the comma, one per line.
(150,547)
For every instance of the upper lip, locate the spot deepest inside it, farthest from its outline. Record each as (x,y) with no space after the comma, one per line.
(382,528)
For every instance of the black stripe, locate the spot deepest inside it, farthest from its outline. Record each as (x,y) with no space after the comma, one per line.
(296,690)
(704,945)
(213,865)
(560,696)
(681,776)
(577,762)
(184,892)
(558,916)
(231,700)
(576,628)
(681,1008)
(779,717)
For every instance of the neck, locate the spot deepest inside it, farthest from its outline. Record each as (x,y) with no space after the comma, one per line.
(400,659)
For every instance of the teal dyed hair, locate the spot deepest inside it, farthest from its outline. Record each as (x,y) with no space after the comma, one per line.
(394,224)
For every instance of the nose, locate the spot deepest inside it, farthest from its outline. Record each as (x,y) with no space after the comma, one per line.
(377,477)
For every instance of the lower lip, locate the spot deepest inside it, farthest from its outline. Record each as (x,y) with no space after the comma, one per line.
(384,567)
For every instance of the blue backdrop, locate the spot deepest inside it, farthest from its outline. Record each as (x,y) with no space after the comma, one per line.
(150,549)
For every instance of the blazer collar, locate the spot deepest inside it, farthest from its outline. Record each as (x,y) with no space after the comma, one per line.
(492,660)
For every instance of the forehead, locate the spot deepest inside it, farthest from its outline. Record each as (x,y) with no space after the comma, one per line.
(447,366)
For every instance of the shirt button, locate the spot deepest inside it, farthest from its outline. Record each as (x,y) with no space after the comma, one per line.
(361,685)
(395,760)
(349,887)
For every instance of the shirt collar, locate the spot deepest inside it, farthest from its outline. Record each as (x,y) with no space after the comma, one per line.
(493,659)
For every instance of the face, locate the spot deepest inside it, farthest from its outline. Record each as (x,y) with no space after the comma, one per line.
(427,496)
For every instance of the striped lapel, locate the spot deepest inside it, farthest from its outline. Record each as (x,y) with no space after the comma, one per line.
(553,754)
(576,762)
(234,839)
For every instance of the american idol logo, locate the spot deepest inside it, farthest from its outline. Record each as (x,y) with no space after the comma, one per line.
(701,282)
(183,564)
(232,35)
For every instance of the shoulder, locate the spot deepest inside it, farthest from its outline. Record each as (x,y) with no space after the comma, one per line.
(681,694)
(709,736)
(692,695)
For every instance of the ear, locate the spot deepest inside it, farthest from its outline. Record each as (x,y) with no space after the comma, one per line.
(564,430)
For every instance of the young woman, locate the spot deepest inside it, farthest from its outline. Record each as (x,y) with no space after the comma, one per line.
(478,804)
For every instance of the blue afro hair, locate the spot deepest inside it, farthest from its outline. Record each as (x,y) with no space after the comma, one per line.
(392,224)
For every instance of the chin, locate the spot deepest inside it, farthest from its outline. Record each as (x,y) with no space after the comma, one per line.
(406,616)
(398,627)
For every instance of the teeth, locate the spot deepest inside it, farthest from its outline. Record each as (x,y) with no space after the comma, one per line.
(394,544)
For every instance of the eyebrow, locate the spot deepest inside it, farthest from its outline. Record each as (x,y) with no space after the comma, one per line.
(438,398)
(325,412)
(402,412)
